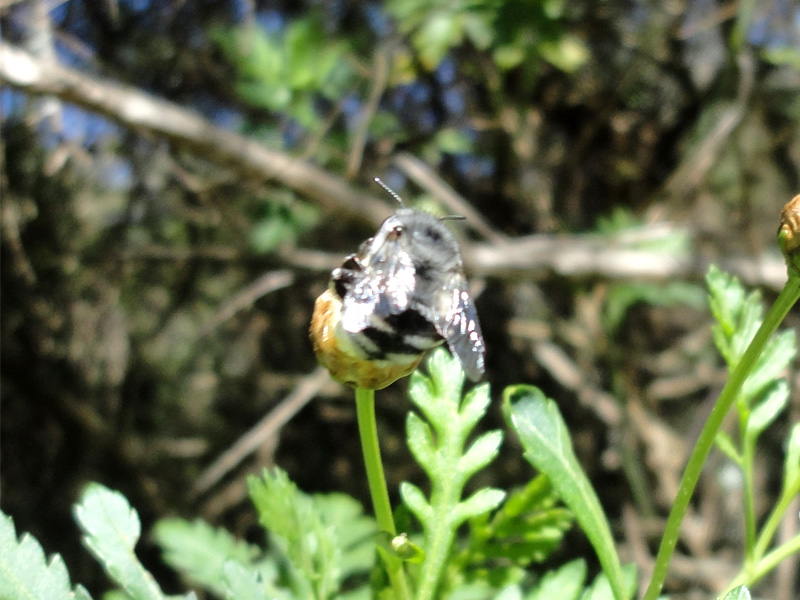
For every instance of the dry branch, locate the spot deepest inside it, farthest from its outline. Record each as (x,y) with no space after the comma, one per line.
(570,256)
(186,128)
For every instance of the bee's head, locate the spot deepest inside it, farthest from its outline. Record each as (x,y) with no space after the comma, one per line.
(423,236)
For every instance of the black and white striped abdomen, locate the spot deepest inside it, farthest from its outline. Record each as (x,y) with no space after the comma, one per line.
(396,337)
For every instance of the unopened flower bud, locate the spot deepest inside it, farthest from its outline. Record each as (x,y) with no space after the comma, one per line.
(789,233)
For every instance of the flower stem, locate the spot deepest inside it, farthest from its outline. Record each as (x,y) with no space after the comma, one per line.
(787,298)
(367,429)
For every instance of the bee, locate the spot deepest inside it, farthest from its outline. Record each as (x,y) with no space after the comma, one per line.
(403,293)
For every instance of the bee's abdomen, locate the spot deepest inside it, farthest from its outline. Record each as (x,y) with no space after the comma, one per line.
(408,333)
(357,360)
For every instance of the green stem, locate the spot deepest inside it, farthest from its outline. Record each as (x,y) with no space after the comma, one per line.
(368,430)
(765,565)
(445,495)
(787,298)
(773,521)
(748,459)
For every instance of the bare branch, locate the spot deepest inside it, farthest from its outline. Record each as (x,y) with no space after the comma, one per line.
(571,256)
(268,426)
(185,128)
(425,177)
(532,257)
(594,256)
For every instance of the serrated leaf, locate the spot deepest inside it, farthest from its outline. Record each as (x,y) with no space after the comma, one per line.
(482,501)
(199,551)
(354,531)
(24,571)
(323,537)
(766,411)
(545,437)
(739,593)
(482,451)
(110,531)
(415,500)
(726,298)
(241,582)
(565,583)
(81,593)
(775,358)
(747,324)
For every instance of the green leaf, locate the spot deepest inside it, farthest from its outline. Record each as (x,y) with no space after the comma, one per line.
(354,531)
(475,403)
(565,583)
(241,582)
(725,296)
(24,571)
(415,500)
(623,296)
(435,37)
(325,538)
(766,411)
(791,471)
(739,593)
(453,141)
(601,589)
(567,53)
(481,452)
(482,501)
(545,437)
(200,551)
(420,439)
(80,593)
(777,355)
(728,448)
(439,445)
(110,531)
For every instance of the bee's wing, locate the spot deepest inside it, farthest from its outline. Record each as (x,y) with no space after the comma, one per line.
(382,289)
(461,328)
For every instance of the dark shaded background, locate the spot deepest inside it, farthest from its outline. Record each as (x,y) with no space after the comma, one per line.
(136,351)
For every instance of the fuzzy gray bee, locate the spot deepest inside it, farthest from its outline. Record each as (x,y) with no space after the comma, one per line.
(401,294)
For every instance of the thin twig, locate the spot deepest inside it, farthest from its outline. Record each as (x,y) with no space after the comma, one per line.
(270,424)
(379,76)
(427,178)
(186,128)
(531,257)
(267,283)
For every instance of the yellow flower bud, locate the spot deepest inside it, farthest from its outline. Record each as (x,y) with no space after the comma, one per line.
(789,232)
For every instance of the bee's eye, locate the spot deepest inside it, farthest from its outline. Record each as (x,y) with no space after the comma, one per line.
(433,234)
(397,230)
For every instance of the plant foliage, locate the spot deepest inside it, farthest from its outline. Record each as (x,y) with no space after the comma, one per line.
(26,573)
(548,447)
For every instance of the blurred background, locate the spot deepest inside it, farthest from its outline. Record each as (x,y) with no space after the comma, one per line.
(179,178)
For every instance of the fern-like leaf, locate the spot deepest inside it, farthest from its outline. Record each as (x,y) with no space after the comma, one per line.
(25,573)
(111,529)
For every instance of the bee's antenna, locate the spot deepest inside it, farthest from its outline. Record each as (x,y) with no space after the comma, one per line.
(453,218)
(394,194)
